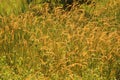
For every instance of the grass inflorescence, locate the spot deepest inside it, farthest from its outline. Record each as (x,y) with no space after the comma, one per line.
(80,44)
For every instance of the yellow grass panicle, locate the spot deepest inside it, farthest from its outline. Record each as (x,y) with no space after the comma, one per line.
(61,45)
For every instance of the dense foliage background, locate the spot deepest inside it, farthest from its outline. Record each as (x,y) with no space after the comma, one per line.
(51,40)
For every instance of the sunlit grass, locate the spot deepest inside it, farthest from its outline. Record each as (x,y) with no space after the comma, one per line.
(81,44)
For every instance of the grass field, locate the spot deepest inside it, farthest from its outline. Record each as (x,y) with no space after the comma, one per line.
(39,43)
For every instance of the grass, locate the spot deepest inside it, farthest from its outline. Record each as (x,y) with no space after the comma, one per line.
(81,44)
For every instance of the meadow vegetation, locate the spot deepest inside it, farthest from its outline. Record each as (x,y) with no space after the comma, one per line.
(38,42)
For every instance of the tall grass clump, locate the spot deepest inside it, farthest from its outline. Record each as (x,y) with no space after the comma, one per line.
(80,44)
(12,6)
